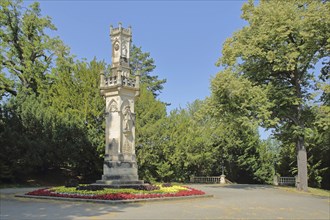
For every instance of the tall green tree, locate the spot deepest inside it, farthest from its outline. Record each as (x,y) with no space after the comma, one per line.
(26,52)
(61,128)
(280,45)
(318,139)
(74,96)
(142,62)
(238,108)
(53,117)
(150,119)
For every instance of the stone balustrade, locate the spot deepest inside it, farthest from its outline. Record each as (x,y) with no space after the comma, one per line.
(123,81)
(207,179)
(128,81)
(111,81)
(285,181)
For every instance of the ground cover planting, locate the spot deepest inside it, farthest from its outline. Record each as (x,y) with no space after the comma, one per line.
(104,193)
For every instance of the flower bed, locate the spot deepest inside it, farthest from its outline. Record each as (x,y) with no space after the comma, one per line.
(117,194)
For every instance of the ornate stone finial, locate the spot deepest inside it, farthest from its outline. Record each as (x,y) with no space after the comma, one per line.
(119,25)
(130,29)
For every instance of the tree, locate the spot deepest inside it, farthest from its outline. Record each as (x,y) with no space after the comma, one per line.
(318,139)
(61,128)
(280,45)
(53,117)
(26,52)
(237,108)
(74,96)
(28,125)
(150,117)
(142,63)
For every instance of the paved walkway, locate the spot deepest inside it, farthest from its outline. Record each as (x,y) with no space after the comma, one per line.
(229,202)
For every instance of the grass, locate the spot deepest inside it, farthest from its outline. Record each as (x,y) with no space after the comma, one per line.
(311,191)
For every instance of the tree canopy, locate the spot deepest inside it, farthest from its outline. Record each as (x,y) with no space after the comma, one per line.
(27,52)
(278,49)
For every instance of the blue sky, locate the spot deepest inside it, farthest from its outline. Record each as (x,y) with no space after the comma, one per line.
(183,37)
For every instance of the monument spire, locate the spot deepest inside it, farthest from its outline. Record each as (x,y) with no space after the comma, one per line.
(120,90)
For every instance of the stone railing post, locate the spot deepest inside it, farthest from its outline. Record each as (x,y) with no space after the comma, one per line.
(119,77)
(102,76)
(192,179)
(276,179)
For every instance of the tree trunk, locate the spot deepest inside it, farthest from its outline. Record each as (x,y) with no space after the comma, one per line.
(302,182)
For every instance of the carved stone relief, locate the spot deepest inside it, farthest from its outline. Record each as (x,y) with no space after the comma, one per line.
(124,50)
(127,119)
(127,146)
(116,51)
(113,106)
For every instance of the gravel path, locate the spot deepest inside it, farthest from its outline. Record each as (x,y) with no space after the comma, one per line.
(229,202)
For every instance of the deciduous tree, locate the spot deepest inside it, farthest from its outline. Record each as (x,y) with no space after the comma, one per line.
(26,52)
(278,48)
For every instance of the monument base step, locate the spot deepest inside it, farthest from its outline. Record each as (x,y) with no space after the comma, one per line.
(119,183)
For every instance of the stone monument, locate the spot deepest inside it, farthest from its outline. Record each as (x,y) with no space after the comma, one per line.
(120,90)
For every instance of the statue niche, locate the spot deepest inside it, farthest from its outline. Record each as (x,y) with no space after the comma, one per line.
(128,123)
(124,51)
(113,106)
(127,120)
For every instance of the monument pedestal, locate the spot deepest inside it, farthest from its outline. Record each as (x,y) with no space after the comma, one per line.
(119,174)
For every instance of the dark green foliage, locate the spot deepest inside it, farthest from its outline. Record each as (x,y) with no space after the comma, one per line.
(150,116)
(36,138)
(72,183)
